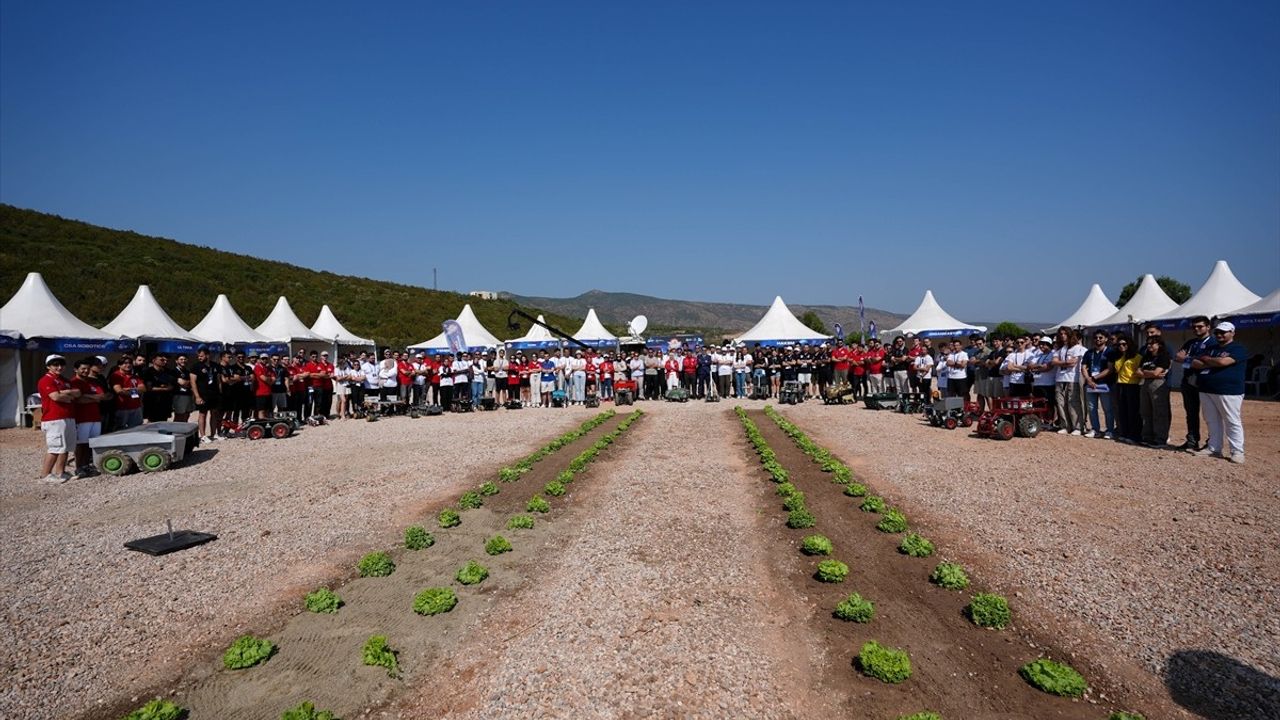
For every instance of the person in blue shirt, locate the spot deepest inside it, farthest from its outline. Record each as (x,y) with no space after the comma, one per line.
(1220,378)
(548,379)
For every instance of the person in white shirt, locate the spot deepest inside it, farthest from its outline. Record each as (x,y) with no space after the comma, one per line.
(741,366)
(922,365)
(576,370)
(724,372)
(419,391)
(387,372)
(636,365)
(1016,367)
(445,394)
(957,376)
(369,380)
(561,362)
(1067,395)
(499,367)
(460,367)
(1043,375)
(479,367)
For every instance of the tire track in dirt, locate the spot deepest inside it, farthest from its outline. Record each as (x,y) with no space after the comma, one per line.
(656,599)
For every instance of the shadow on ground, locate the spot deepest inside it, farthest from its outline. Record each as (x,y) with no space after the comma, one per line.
(1218,687)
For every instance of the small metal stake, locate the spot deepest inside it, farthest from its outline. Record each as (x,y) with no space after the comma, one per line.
(169,522)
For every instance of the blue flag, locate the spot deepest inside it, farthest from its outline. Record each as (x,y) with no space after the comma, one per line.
(872,329)
(862,316)
(839,331)
(453,333)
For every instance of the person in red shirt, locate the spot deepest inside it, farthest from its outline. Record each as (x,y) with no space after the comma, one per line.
(875,367)
(298,382)
(57,418)
(264,376)
(689,373)
(840,364)
(88,413)
(404,375)
(129,390)
(514,367)
(858,368)
(318,373)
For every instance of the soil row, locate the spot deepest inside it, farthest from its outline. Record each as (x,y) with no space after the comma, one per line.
(413,605)
(900,641)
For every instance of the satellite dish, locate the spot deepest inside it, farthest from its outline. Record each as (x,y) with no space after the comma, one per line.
(637,325)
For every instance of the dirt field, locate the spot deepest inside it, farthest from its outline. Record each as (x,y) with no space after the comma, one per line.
(664,575)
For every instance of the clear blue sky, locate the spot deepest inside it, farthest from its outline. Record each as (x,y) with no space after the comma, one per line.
(1004,154)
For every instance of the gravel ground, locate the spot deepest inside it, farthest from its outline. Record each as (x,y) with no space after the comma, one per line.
(1140,556)
(86,621)
(658,591)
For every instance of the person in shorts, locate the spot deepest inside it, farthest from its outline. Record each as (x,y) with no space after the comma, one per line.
(183,399)
(57,418)
(88,412)
(205,382)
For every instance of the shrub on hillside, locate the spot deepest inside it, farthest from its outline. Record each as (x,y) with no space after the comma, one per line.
(816,545)
(376,564)
(915,546)
(855,608)
(988,611)
(434,601)
(1054,678)
(883,663)
(832,571)
(416,537)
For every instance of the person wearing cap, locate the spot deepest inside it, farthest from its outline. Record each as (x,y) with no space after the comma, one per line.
(88,413)
(1220,369)
(1043,376)
(1192,349)
(57,418)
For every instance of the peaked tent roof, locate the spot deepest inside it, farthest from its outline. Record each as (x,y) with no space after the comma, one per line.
(328,327)
(1221,293)
(1095,307)
(779,325)
(1148,301)
(930,317)
(223,324)
(36,313)
(536,336)
(144,318)
(1267,305)
(282,325)
(593,329)
(472,331)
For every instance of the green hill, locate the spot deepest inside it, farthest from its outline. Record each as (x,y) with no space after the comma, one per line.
(95,271)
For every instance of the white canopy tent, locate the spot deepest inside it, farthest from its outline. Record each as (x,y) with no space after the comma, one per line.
(779,326)
(593,332)
(930,320)
(538,338)
(1269,305)
(223,324)
(327,326)
(39,324)
(1148,301)
(283,325)
(144,319)
(475,334)
(1220,294)
(1095,307)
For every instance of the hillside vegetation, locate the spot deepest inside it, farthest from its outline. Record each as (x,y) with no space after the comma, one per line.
(95,271)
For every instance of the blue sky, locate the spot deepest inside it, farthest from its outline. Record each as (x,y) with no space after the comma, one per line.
(1005,155)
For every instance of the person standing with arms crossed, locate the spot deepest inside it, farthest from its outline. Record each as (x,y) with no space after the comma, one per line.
(1191,350)
(57,418)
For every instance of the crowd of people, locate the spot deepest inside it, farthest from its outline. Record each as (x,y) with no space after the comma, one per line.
(1099,384)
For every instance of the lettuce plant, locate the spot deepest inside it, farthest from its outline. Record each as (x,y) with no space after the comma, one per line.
(786,489)
(926,715)
(915,546)
(565,477)
(472,573)
(323,600)
(378,653)
(470,500)
(157,709)
(449,518)
(509,474)
(893,521)
(872,503)
(884,663)
(989,611)
(247,651)
(489,488)
(376,564)
(832,571)
(816,545)
(1125,716)
(801,518)
(855,489)
(497,545)
(1054,678)
(416,537)
(950,576)
(855,608)
(794,501)
(520,522)
(434,600)
(555,488)
(307,711)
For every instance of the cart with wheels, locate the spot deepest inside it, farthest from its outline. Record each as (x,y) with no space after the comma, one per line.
(792,393)
(624,392)
(153,447)
(1009,416)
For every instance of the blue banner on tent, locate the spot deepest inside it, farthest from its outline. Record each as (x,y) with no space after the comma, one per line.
(685,340)
(958,333)
(784,343)
(185,347)
(8,342)
(81,345)
(260,349)
(1255,320)
(533,345)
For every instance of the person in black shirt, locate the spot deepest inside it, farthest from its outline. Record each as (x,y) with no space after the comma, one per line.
(183,400)
(1191,349)
(1154,398)
(206,390)
(157,402)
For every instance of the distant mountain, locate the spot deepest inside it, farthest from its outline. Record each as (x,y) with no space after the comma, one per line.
(616,309)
